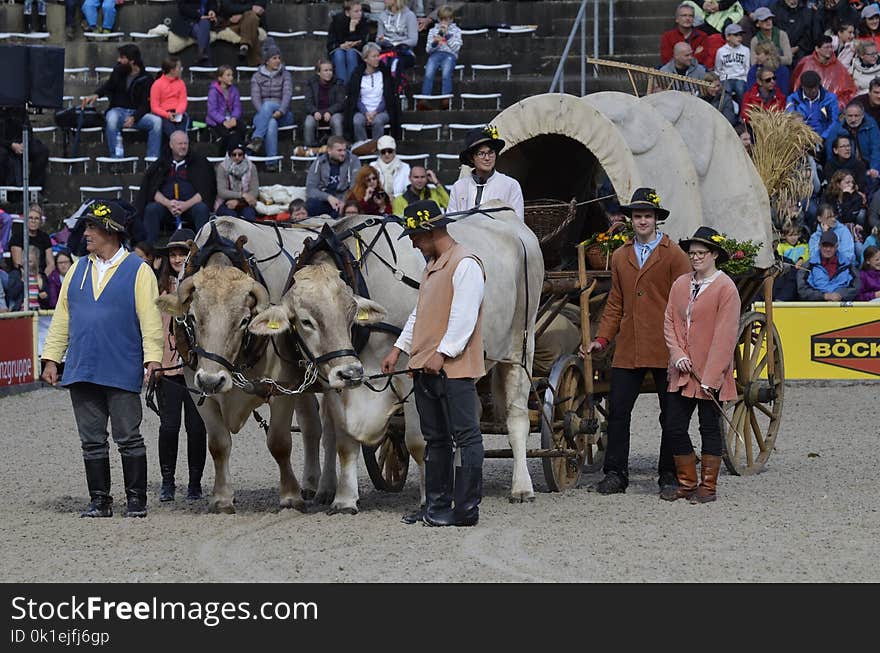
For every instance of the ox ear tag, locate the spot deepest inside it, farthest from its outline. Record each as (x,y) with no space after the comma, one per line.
(273,325)
(363,315)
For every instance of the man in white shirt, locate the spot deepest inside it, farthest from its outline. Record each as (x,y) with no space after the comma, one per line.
(482,147)
(443,337)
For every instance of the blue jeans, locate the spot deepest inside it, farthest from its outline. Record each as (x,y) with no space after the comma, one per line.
(310,128)
(266,127)
(169,127)
(315,206)
(201,32)
(446,62)
(29,7)
(247,213)
(735,87)
(149,123)
(155,215)
(90,11)
(70,12)
(345,62)
(378,127)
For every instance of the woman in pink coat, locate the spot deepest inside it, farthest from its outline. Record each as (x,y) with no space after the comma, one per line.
(701,328)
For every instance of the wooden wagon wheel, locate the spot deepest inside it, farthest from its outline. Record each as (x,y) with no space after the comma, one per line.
(388,462)
(566,413)
(760,384)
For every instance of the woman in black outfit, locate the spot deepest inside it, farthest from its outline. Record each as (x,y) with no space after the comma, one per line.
(348,33)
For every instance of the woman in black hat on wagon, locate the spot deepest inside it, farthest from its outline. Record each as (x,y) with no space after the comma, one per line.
(173,396)
(482,147)
(701,328)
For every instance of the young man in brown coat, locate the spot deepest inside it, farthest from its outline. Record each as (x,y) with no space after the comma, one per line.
(642,272)
(444,339)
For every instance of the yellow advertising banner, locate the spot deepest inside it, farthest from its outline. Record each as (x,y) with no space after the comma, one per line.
(828,341)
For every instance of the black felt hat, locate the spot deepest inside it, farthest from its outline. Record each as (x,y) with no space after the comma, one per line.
(475,138)
(422,217)
(108,215)
(711,239)
(645,198)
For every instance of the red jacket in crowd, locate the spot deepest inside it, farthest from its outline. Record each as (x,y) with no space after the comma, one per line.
(753,97)
(697,40)
(834,75)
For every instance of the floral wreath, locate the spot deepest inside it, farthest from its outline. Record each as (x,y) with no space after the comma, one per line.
(102,213)
(421,220)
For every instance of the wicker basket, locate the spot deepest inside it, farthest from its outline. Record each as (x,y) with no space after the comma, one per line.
(545,216)
(596,258)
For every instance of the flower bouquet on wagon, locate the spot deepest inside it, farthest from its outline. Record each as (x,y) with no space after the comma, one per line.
(742,254)
(600,246)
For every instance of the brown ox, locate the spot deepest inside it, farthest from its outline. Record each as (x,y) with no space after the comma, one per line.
(221,301)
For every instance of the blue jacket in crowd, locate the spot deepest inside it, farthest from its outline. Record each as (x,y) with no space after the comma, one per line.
(820,114)
(814,281)
(868,135)
(846,246)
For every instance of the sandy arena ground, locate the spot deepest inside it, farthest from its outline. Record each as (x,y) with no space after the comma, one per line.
(806,518)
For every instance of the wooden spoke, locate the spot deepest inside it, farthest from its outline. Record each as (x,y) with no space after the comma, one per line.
(756,430)
(756,351)
(747,435)
(765,410)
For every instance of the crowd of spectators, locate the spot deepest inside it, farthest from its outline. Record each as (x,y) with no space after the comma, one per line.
(817,59)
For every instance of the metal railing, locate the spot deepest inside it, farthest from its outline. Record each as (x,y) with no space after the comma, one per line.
(579,27)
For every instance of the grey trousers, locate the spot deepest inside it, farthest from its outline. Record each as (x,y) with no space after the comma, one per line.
(449,411)
(93,406)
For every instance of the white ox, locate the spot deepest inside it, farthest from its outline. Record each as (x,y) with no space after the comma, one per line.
(222,301)
(514,274)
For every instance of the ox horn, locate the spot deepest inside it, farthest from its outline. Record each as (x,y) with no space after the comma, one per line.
(240,242)
(191,258)
(185,290)
(262,297)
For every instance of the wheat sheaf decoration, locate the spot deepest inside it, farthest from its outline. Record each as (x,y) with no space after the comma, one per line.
(782,143)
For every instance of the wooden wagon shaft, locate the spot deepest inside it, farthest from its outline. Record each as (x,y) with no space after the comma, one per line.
(548,317)
(585,319)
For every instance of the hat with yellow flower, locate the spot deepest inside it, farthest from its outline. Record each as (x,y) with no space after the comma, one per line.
(107,215)
(478,136)
(422,217)
(710,238)
(645,198)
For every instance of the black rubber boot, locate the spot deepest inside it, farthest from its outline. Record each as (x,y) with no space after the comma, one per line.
(134,470)
(98,480)
(613,483)
(28,23)
(194,489)
(668,484)
(438,491)
(41,23)
(468,494)
(167,465)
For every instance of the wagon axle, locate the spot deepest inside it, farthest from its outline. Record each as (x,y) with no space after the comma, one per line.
(758,392)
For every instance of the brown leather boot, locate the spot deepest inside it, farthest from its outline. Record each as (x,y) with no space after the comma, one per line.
(709,468)
(686,474)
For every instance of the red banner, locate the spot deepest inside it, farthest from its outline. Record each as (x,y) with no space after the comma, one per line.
(17,351)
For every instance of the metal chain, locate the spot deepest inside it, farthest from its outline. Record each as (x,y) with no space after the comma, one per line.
(311,375)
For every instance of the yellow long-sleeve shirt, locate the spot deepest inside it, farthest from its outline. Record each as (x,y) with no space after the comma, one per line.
(146,290)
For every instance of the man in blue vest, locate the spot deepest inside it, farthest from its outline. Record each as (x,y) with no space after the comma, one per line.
(107,321)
